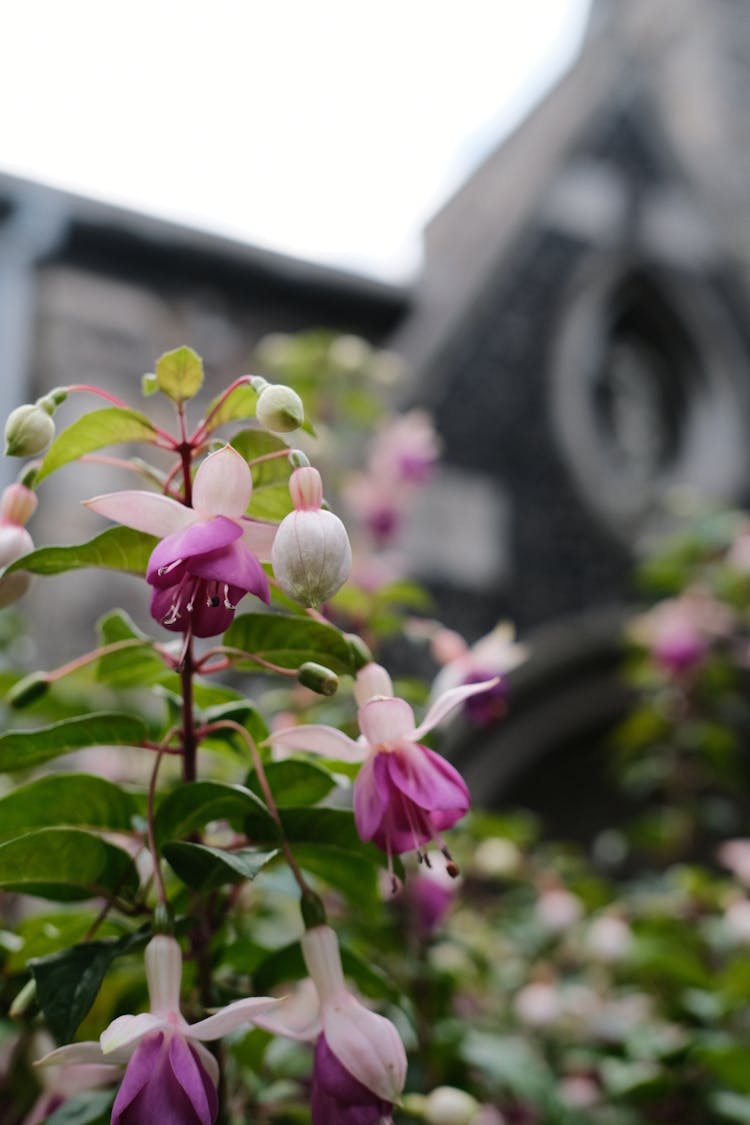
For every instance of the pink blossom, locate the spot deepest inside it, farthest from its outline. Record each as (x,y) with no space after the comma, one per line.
(170,1078)
(17,505)
(679,631)
(494,655)
(406,449)
(360,1062)
(210,553)
(405,795)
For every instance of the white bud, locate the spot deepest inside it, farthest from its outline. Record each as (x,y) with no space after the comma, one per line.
(279,409)
(446,1105)
(311,556)
(28,431)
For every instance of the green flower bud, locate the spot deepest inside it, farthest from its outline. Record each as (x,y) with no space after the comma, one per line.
(28,431)
(317,678)
(313,911)
(279,409)
(28,690)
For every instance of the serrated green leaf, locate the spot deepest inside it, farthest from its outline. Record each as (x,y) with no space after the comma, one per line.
(111,426)
(23,749)
(138,665)
(294,782)
(207,868)
(91,1107)
(191,806)
(65,864)
(66,798)
(179,373)
(67,982)
(289,641)
(118,548)
(239,404)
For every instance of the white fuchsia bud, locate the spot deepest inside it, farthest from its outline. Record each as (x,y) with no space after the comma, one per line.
(17,505)
(279,409)
(28,431)
(311,555)
(447,1105)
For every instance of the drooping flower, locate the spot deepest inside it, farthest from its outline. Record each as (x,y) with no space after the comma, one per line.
(494,655)
(17,505)
(679,632)
(210,553)
(311,555)
(405,794)
(170,1078)
(360,1062)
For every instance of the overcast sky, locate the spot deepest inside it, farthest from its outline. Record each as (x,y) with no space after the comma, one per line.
(329,129)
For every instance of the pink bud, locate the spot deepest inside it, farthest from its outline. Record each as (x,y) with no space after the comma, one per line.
(372,680)
(311,555)
(17,504)
(306,489)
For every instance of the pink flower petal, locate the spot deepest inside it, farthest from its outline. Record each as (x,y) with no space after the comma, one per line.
(145,511)
(124,1032)
(259,537)
(367,1045)
(448,702)
(223,484)
(73,1054)
(198,539)
(297,1016)
(234,1015)
(198,1087)
(318,739)
(371,796)
(428,780)
(384,722)
(235,565)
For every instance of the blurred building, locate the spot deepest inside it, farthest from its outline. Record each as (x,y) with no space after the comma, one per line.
(579,329)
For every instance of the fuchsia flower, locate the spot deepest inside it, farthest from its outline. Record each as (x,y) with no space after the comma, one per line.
(360,1062)
(680,632)
(209,554)
(311,555)
(17,505)
(171,1078)
(405,794)
(496,654)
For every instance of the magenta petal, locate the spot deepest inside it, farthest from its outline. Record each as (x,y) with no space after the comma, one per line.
(152,1091)
(370,796)
(428,780)
(236,566)
(198,539)
(192,1077)
(337,1097)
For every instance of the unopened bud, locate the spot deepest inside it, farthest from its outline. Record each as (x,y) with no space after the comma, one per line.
(311,555)
(17,504)
(446,1105)
(23,1001)
(29,689)
(318,678)
(279,409)
(358,650)
(306,489)
(28,431)
(15,541)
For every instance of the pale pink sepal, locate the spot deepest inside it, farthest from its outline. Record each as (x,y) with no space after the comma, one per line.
(259,537)
(233,1016)
(223,484)
(208,1061)
(297,1016)
(385,722)
(367,1045)
(163,959)
(320,949)
(87,1053)
(372,680)
(126,1031)
(447,702)
(145,511)
(318,739)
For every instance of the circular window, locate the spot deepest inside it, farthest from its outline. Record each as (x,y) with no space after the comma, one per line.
(645,397)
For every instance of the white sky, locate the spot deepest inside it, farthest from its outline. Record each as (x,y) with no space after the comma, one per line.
(328,129)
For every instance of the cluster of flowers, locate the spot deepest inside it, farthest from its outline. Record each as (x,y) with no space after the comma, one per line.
(210,555)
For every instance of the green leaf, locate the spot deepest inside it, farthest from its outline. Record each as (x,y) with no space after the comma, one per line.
(191,806)
(353,875)
(317,826)
(90,1107)
(239,711)
(118,548)
(66,798)
(65,864)
(294,782)
(110,426)
(271,499)
(239,404)
(289,641)
(207,868)
(138,665)
(179,373)
(731,1107)
(67,982)
(22,749)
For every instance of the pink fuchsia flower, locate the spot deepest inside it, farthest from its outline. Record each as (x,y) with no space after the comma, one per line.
(210,553)
(406,449)
(679,632)
(430,894)
(17,505)
(360,1062)
(311,555)
(405,795)
(171,1078)
(492,656)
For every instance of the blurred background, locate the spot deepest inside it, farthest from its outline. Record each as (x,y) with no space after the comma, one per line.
(540,213)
